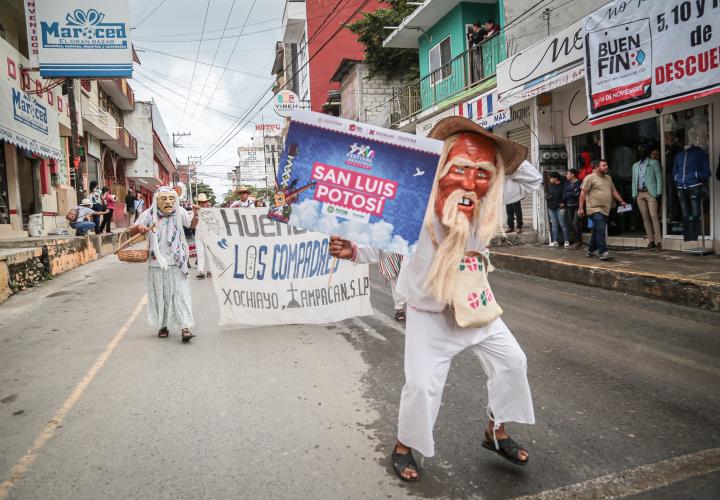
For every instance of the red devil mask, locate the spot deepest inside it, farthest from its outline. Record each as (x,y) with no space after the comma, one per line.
(465,172)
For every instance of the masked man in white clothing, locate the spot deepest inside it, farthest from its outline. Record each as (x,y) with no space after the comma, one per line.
(169,301)
(475,170)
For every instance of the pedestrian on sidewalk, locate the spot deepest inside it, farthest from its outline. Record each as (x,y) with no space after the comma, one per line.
(475,170)
(139,205)
(202,263)
(97,204)
(85,213)
(390,266)
(556,211)
(514,214)
(108,200)
(596,195)
(130,206)
(169,301)
(646,188)
(571,198)
(244,201)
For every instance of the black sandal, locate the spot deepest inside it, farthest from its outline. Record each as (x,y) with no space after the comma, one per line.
(186,335)
(400,315)
(402,461)
(507,448)
(163,332)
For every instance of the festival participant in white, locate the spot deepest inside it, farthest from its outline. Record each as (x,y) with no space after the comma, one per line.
(203,266)
(450,304)
(169,301)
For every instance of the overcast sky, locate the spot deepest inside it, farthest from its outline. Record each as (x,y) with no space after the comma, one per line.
(167,41)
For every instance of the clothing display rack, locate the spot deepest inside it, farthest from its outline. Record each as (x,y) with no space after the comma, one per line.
(701,250)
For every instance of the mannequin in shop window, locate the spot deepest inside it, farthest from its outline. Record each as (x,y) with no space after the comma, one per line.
(691,170)
(646,189)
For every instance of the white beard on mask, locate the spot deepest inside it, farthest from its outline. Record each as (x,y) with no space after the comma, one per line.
(452,248)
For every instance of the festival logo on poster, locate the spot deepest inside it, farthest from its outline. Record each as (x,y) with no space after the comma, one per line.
(269,273)
(368,184)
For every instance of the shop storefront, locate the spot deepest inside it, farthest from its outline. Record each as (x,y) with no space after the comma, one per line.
(667,134)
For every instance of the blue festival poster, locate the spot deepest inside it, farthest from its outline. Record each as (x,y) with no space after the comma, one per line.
(365,183)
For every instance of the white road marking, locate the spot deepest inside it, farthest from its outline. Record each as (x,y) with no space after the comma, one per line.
(638,479)
(19,470)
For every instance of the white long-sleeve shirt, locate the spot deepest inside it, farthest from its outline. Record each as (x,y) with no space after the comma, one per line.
(414,271)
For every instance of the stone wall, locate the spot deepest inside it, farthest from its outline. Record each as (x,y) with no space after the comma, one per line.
(373,95)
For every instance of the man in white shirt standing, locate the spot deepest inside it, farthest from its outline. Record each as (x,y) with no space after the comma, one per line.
(475,170)
(244,201)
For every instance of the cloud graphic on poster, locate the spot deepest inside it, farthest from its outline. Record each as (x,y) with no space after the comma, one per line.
(308,214)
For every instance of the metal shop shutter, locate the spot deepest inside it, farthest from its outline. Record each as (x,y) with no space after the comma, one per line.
(522,135)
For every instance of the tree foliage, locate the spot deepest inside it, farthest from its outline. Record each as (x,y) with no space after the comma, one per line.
(370,31)
(204,188)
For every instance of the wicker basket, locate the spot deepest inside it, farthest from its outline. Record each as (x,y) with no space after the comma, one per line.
(132,254)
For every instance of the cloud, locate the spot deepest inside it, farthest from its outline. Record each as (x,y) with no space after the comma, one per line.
(308,214)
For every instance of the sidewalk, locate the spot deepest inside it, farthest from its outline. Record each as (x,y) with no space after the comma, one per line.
(666,275)
(25,262)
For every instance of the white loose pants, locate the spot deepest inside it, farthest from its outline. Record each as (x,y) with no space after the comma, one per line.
(432,340)
(398,300)
(202,266)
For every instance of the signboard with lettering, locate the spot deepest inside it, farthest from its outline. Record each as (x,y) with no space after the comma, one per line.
(269,273)
(29,122)
(285,102)
(547,65)
(83,38)
(642,55)
(366,183)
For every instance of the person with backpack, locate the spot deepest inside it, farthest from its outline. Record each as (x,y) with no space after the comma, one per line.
(78,217)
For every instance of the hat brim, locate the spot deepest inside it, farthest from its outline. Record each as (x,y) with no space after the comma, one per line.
(512,153)
(241,191)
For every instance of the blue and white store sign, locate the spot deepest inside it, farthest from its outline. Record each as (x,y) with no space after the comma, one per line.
(32,125)
(84,38)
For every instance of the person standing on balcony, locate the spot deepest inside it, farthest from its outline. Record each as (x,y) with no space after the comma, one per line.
(475,38)
(491,29)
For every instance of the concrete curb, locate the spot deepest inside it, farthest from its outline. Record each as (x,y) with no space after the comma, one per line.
(689,292)
(30,264)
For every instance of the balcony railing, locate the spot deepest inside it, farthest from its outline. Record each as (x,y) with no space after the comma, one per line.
(126,89)
(465,71)
(126,140)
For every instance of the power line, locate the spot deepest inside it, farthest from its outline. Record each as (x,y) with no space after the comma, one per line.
(239,128)
(150,14)
(254,75)
(233,129)
(192,78)
(237,40)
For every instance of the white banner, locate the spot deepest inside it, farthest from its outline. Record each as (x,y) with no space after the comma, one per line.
(641,55)
(541,67)
(84,38)
(28,122)
(32,32)
(269,273)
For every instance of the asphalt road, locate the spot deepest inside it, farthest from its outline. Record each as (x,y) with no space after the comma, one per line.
(93,405)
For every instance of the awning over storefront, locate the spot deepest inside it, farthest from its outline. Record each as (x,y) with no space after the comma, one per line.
(28,122)
(485,110)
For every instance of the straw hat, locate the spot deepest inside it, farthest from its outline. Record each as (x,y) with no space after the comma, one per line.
(86,202)
(202,197)
(242,190)
(511,152)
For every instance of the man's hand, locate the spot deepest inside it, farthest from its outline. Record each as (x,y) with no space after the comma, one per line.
(581,212)
(340,248)
(195,208)
(142,229)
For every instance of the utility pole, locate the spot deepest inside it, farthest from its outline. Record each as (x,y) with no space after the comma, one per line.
(193,161)
(546,16)
(178,135)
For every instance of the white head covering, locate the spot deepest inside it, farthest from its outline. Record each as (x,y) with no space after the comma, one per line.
(168,228)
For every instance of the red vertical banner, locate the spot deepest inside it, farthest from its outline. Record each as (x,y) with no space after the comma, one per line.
(44,177)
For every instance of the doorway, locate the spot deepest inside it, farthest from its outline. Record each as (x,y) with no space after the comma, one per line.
(29,183)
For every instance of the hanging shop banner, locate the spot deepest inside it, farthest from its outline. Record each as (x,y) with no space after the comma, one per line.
(365,183)
(32,32)
(422,129)
(542,67)
(642,55)
(28,122)
(84,38)
(269,273)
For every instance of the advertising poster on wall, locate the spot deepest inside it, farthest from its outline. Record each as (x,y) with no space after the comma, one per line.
(641,55)
(269,273)
(83,38)
(366,183)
